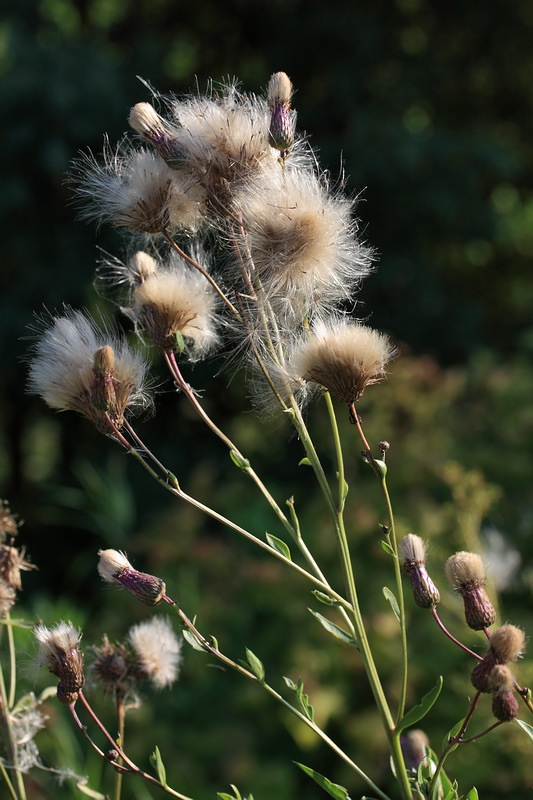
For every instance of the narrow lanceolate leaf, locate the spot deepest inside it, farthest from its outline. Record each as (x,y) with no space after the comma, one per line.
(472,794)
(322,597)
(525,727)
(338,633)
(386,546)
(333,789)
(278,545)
(305,462)
(418,712)
(239,460)
(255,665)
(157,763)
(393,602)
(193,641)
(452,733)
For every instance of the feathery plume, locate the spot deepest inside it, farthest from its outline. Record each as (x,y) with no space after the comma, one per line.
(158,651)
(114,567)
(413,557)
(506,644)
(466,573)
(60,652)
(79,368)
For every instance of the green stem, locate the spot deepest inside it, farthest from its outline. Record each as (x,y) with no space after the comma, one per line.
(7,779)
(380,473)
(452,744)
(174,488)
(12,663)
(214,651)
(10,746)
(121,716)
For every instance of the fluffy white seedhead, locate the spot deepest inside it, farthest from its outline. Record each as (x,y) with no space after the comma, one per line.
(412,549)
(465,569)
(176,300)
(158,650)
(111,564)
(302,241)
(74,366)
(55,643)
(342,356)
(136,189)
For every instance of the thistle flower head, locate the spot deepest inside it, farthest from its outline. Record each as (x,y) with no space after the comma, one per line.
(466,573)
(342,356)
(9,525)
(60,652)
(507,643)
(501,679)
(114,567)
(136,189)
(175,301)
(157,650)
(223,139)
(12,562)
(504,703)
(8,597)
(302,241)
(156,130)
(282,118)
(76,367)
(112,668)
(413,557)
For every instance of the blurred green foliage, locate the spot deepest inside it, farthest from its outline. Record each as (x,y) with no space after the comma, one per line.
(430,104)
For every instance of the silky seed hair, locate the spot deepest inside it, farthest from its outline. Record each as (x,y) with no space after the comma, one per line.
(412,549)
(342,356)
(501,679)
(158,651)
(508,643)
(465,570)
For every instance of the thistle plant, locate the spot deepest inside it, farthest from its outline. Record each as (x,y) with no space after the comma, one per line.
(243,250)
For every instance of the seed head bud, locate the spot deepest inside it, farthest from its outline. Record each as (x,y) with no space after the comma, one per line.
(506,644)
(144,119)
(114,567)
(413,555)
(282,118)
(59,650)
(466,573)
(9,524)
(414,748)
(504,703)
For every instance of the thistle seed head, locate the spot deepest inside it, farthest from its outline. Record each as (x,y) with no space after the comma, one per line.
(114,567)
(157,650)
(76,367)
(466,573)
(343,357)
(60,652)
(507,643)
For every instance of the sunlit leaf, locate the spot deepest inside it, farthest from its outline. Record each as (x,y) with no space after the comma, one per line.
(525,727)
(333,789)
(322,597)
(472,794)
(278,545)
(239,460)
(419,711)
(338,633)
(386,546)
(393,602)
(157,763)
(255,665)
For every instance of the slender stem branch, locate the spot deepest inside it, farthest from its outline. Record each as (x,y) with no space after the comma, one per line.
(452,744)
(10,746)
(12,663)
(7,780)
(483,733)
(209,278)
(380,473)
(450,636)
(121,716)
(210,648)
(170,484)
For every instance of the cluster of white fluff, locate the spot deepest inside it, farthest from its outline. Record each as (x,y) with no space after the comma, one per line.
(223,173)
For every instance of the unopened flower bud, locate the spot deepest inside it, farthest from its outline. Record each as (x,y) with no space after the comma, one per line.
(59,650)
(114,567)
(414,748)
(504,703)
(506,644)
(146,121)
(413,556)
(466,573)
(282,118)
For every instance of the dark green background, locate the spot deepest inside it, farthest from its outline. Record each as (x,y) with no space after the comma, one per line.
(427,107)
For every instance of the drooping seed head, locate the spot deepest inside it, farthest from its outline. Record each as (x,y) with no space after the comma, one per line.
(114,567)
(60,652)
(507,643)
(466,573)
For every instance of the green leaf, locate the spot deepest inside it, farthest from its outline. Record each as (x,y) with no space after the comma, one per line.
(388,549)
(290,683)
(180,341)
(239,460)
(381,466)
(322,597)
(452,793)
(393,602)
(419,711)
(472,794)
(305,462)
(81,785)
(157,763)
(333,789)
(451,734)
(279,546)
(193,641)
(338,633)
(255,665)
(525,727)
(173,481)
